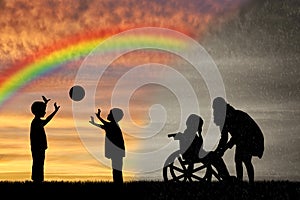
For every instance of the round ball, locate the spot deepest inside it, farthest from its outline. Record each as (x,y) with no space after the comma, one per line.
(76,93)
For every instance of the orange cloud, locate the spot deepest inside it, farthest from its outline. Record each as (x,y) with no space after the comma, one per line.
(28,25)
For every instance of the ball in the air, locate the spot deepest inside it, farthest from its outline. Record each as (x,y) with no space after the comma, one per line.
(77,93)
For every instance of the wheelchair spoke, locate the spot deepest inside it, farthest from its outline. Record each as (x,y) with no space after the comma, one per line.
(196,177)
(216,174)
(185,178)
(182,163)
(177,178)
(199,168)
(190,179)
(178,169)
(177,173)
(208,175)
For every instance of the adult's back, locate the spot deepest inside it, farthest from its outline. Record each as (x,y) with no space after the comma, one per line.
(246,132)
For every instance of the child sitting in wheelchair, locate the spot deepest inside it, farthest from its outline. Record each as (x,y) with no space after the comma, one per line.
(191,146)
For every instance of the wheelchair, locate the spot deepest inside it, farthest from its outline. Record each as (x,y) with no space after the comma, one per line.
(178,169)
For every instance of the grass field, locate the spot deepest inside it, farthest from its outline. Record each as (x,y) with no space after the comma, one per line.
(271,190)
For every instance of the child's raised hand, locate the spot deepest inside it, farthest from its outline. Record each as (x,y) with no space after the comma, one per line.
(92,120)
(56,107)
(45,99)
(98,113)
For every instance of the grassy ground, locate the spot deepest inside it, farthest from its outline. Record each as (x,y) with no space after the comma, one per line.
(271,190)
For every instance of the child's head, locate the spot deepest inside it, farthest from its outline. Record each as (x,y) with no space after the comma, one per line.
(194,122)
(38,108)
(115,114)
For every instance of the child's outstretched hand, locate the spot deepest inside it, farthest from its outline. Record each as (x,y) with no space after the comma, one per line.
(45,99)
(56,107)
(92,120)
(98,113)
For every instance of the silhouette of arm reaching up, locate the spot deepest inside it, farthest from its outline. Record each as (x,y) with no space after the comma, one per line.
(56,108)
(100,118)
(95,124)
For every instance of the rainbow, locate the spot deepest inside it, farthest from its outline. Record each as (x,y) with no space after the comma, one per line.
(69,49)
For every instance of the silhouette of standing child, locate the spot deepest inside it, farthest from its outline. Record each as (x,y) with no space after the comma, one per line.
(245,134)
(38,138)
(114,142)
(191,146)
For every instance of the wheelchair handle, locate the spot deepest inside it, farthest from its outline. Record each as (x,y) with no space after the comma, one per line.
(172,135)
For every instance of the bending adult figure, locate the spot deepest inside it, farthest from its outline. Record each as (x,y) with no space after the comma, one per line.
(245,134)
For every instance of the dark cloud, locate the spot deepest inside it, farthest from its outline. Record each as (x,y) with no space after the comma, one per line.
(258,53)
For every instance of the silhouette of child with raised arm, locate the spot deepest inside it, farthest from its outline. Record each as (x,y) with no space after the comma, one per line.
(114,142)
(245,134)
(191,146)
(38,138)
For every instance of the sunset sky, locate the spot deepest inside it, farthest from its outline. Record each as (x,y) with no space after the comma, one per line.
(255,45)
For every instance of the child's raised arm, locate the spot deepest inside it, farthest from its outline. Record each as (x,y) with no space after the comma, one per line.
(56,108)
(94,123)
(100,118)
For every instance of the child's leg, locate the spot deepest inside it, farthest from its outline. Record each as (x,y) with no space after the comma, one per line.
(38,158)
(250,168)
(117,176)
(117,165)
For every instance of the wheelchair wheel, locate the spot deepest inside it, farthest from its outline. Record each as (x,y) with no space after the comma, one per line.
(178,170)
